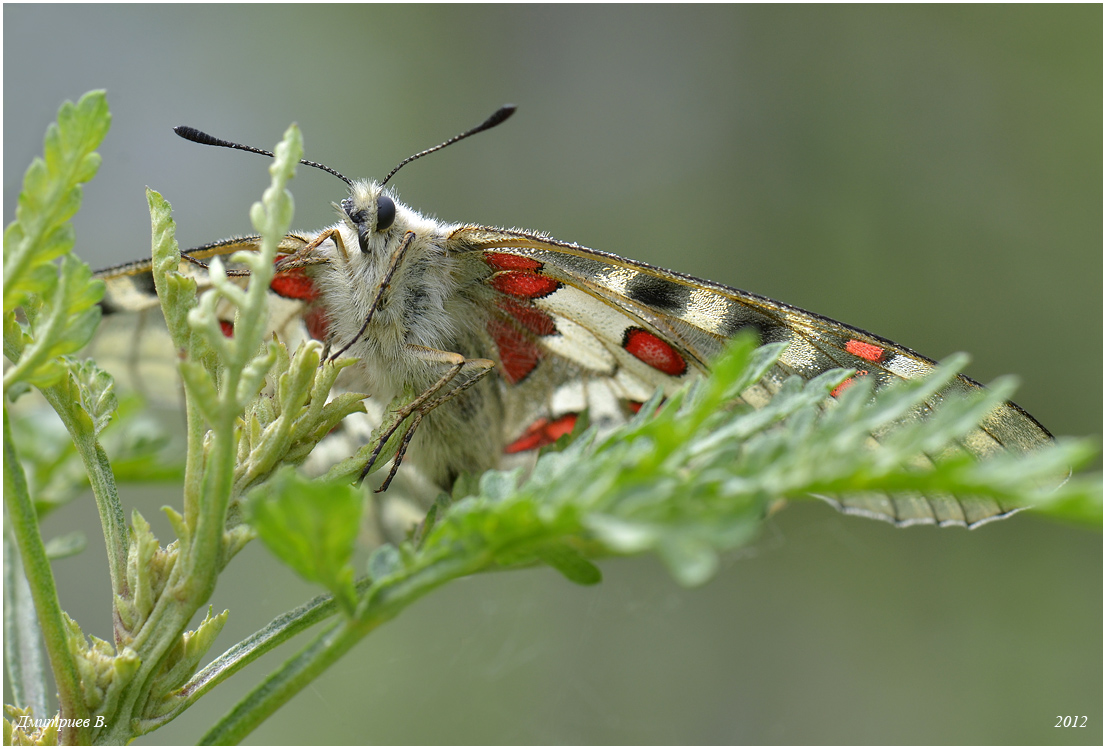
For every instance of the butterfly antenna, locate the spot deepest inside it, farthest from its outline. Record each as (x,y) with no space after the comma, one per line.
(498,118)
(199,136)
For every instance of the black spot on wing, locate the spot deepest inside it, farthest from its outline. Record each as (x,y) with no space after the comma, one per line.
(740,317)
(128,293)
(144,283)
(658,293)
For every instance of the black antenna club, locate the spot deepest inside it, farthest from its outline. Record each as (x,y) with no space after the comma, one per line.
(498,118)
(199,136)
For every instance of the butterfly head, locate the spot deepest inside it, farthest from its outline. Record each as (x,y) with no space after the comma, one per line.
(371,211)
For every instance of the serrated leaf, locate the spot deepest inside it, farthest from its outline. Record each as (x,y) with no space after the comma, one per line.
(96,390)
(59,241)
(51,194)
(690,482)
(64,325)
(311,526)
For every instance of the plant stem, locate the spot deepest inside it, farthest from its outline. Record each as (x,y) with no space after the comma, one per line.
(24,523)
(276,633)
(102,480)
(383,603)
(190,583)
(203,556)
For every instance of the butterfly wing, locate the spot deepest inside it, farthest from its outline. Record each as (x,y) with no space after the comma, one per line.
(577,329)
(565,309)
(132,341)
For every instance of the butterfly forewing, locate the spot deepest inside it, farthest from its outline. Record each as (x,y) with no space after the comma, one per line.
(133,342)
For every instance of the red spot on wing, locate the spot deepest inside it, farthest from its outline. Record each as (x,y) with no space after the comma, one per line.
(227,327)
(318,323)
(653,351)
(294,284)
(531,318)
(636,406)
(864,350)
(504,261)
(541,433)
(518,354)
(847,383)
(524,283)
(843,387)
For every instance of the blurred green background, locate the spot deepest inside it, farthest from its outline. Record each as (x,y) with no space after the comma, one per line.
(932,174)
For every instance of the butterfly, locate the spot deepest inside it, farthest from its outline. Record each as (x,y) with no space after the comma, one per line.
(508,336)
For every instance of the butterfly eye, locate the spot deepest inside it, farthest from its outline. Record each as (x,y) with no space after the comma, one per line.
(385,212)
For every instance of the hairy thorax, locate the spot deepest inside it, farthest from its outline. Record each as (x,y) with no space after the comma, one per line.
(414,309)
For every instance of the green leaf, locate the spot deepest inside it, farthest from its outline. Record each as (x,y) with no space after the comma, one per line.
(311,526)
(68,545)
(51,195)
(176,292)
(96,390)
(63,325)
(571,564)
(696,477)
(1082,506)
(24,662)
(384,562)
(692,561)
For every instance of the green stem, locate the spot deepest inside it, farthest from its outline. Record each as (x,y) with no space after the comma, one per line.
(24,523)
(191,582)
(275,633)
(102,480)
(383,604)
(204,555)
(194,464)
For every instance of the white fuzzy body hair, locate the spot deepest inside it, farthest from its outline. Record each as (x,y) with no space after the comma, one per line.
(421,307)
(351,282)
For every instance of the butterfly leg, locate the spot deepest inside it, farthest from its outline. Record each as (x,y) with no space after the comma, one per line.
(393,265)
(303,256)
(449,385)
